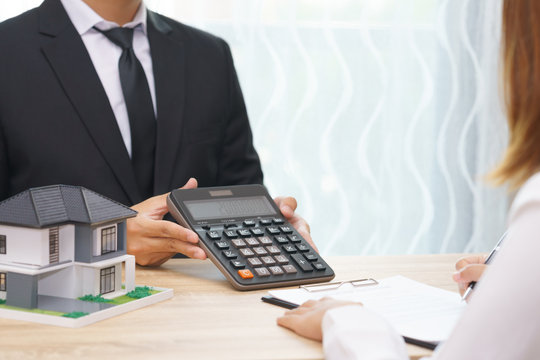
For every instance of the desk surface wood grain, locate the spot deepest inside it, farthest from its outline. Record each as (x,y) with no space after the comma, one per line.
(206,318)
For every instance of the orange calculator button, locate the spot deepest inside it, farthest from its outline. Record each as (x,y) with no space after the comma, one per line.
(245,274)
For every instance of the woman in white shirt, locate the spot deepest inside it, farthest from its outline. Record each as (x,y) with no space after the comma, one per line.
(502,320)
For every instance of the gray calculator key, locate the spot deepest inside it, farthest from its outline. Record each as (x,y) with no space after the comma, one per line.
(262,271)
(286,229)
(268,260)
(222,245)
(257,231)
(260,251)
(273,250)
(319,266)
(311,257)
(289,248)
(302,262)
(246,252)
(294,238)
(251,241)
(231,234)
(229,254)
(302,247)
(281,239)
(276,270)
(289,269)
(249,222)
(281,259)
(243,232)
(238,264)
(273,230)
(214,235)
(254,261)
(265,240)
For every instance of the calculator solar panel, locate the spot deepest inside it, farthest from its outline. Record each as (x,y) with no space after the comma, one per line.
(243,232)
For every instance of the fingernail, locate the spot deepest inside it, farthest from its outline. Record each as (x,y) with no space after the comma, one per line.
(286,208)
(456,276)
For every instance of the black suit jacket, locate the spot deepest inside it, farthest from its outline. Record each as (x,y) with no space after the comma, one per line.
(57,126)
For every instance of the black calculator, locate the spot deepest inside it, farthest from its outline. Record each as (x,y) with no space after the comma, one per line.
(245,235)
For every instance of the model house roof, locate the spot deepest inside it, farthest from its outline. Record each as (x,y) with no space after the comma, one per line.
(58,204)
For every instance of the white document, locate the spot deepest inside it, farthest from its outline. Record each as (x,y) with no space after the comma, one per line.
(418,311)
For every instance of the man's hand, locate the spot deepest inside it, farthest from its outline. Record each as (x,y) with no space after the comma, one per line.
(153,240)
(287,205)
(306,320)
(469,269)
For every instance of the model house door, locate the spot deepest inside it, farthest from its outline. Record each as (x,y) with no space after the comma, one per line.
(107,280)
(53,245)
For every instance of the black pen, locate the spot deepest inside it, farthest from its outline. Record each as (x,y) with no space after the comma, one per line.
(488,260)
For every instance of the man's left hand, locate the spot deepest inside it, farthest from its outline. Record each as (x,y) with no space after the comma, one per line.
(288,205)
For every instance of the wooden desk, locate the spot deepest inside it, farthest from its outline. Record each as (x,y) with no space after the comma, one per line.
(206,319)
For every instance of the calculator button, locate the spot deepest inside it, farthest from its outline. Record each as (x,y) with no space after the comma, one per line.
(243,232)
(285,229)
(222,245)
(289,269)
(289,248)
(214,235)
(262,271)
(268,260)
(302,262)
(257,231)
(249,223)
(277,221)
(281,259)
(294,238)
(231,234)
(260,251)
(302,247)
(266,222)
(245,274)
(281,239)
(273,250)
(230,225)
(238,264)
(246,252)
(276,270)
(229,254)
(238,243)
(205,227)
(319,266)
(251,241)
(265,240)
(311,257)
(254,262)
(273,230)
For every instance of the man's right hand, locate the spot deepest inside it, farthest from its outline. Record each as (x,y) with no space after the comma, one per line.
(469,269)
(153,240)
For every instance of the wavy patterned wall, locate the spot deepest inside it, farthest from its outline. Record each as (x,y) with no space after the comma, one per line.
(380,116)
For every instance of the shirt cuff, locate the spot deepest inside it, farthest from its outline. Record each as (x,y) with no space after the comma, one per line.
(354,332)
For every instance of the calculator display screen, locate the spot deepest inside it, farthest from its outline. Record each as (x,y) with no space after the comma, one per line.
(230,208)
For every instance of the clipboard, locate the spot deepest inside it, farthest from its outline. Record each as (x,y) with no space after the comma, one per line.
(385,296)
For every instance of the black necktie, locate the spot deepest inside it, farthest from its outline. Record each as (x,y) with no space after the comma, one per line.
(139,107)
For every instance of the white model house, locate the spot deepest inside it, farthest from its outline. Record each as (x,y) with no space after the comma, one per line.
(62,241)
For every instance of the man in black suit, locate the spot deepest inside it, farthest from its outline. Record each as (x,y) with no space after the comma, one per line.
(129,113)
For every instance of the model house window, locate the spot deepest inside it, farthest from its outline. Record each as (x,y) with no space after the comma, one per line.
(2,244)
(108,239)
(107,280)
(53,245)
(2,281)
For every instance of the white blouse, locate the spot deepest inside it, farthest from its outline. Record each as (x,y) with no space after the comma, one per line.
(502,320)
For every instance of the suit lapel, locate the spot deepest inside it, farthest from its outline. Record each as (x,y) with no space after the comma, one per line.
(168,62)
(71,63)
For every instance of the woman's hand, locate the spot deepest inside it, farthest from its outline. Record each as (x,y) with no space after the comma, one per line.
(469,269)
(306,320)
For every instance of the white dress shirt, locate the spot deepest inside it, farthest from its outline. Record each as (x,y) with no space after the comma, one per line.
(502,320)
(105,55)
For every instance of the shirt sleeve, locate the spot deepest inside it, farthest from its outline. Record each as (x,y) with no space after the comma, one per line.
(502,320)
(354,332)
